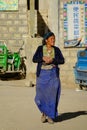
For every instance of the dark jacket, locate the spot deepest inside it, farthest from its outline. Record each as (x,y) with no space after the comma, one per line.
(58,59)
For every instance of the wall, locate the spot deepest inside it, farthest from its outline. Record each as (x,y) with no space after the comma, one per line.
(13,25)
(70,54)
(14,28)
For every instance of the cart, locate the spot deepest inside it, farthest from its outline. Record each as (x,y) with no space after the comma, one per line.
(11,62)
(80,69)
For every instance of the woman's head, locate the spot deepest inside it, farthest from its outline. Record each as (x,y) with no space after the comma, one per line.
(49,38)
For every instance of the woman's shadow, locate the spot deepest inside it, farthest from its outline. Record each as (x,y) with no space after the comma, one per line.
(69,115)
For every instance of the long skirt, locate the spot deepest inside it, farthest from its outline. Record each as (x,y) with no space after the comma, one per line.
(48,92)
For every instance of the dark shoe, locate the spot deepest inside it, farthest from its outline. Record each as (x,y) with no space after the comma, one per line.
(50,120)
(43,118)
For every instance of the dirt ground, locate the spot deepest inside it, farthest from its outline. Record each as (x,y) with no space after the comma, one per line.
(18,110)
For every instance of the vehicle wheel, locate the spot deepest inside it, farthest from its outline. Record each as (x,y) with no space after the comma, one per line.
(80,87)
(23,71)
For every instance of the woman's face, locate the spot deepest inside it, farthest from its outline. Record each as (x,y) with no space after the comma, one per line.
(51,41)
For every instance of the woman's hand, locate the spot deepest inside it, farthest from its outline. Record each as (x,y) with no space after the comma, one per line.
(47,59)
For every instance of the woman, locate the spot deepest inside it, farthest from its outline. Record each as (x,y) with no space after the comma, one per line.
(48,57)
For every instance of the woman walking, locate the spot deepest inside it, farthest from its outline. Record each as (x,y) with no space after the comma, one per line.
(48,57)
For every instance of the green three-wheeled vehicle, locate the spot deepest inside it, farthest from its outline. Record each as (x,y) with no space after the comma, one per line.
(11,62)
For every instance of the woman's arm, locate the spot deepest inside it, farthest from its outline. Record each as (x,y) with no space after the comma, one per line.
(38,56)
(58,59)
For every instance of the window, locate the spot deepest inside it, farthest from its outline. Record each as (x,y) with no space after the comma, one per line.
(36,4)
(28,4)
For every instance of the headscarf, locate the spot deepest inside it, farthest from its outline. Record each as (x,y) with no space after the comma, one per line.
(47,35)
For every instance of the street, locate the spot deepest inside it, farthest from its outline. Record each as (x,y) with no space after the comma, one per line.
(19,112)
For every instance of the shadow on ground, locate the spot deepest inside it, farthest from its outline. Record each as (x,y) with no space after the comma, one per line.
(12,76)
(69,115)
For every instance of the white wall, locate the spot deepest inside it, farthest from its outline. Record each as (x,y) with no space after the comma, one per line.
(53,17)
(43,4)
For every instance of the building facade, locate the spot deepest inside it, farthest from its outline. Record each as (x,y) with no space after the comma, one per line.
(28,23)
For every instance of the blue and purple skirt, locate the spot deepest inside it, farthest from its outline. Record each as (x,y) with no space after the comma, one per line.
(48,92)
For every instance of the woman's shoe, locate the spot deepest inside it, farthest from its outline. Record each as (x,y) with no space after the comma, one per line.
(43,118)
(50,120)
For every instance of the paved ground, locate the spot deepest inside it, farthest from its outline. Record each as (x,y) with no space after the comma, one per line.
(19,112)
